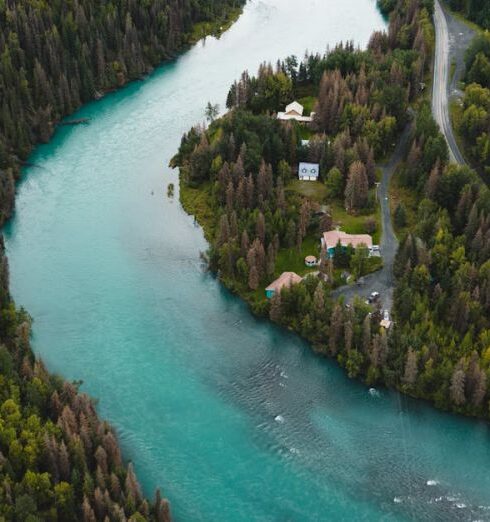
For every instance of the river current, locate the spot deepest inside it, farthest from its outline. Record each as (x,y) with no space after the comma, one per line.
(235,419)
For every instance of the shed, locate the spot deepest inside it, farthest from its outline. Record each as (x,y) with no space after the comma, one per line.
(310,261)
(386,324)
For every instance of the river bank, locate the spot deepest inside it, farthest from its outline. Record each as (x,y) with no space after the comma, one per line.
(60,458)
(239,186)
(14,156)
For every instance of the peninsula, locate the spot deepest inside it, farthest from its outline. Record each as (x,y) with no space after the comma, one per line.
(287,186)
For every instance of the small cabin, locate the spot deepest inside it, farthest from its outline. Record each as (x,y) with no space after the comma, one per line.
(308,171)
(286,280)
(294,111)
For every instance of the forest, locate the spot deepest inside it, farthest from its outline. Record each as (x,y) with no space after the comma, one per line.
(56,55)
(472,119)
(238,178)
(59,461)
(476,10)
(244,163)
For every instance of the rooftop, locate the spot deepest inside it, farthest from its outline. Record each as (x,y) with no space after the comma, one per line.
(332,237)
(286,279)
(294,111)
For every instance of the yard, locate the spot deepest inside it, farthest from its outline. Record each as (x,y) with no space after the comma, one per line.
(292,260)
(314,190)
(350,223)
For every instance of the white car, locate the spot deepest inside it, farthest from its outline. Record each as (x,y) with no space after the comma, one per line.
(373,296)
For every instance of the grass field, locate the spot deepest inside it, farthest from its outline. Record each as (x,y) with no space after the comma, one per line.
(292,260)
(350,223)
(355,224)
(308,102)
(314,190)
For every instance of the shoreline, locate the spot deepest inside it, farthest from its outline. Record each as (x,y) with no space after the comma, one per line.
(197,200)
(158,509)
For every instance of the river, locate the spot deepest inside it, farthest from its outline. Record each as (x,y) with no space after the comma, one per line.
(235,419)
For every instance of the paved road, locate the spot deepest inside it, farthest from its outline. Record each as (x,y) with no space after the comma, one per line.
(440,91)
(383,280)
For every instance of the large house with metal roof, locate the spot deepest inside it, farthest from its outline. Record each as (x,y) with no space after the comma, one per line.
(331,239)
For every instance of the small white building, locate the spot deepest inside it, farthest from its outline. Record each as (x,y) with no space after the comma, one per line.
(294,111)
(311,261)
(308,171)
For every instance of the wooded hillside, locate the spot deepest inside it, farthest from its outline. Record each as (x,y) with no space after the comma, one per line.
(58,460)
(56,55)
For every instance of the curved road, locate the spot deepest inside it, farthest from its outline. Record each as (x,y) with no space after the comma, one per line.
(440,90)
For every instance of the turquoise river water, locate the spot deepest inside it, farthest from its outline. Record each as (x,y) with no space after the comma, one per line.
(235,419)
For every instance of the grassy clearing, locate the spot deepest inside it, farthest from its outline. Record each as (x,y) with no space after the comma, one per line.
(314,190)
(304,132)
(308,102)
(352,224)
(355,224)
(292,260)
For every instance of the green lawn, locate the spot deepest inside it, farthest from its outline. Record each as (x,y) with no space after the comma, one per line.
(304,132)
(314,190)
(352,224)
(290,260)
(355,224)
(308,102)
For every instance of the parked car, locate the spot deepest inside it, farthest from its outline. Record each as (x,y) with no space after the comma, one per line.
(373,297)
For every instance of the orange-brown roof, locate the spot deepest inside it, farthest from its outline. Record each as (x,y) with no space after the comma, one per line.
(332,237)
(286,279)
